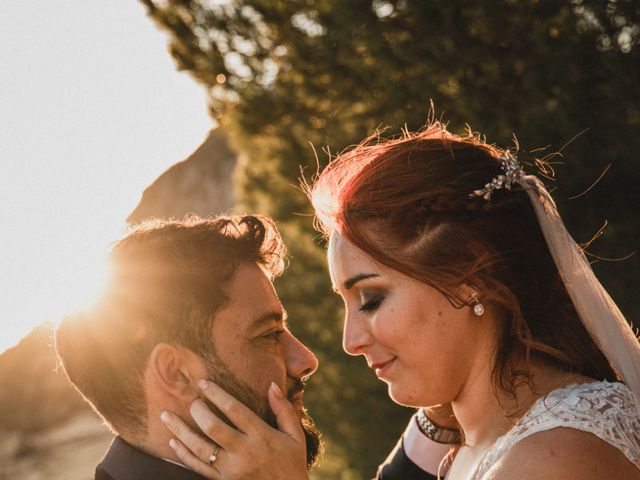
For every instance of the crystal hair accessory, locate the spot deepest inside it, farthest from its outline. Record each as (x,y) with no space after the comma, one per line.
(597,311)
(513,172)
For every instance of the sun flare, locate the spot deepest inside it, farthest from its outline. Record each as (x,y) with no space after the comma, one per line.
(53,273)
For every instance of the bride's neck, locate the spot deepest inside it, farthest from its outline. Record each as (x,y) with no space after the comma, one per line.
(486,412)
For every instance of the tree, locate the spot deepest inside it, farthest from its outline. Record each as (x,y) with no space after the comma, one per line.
(286,75)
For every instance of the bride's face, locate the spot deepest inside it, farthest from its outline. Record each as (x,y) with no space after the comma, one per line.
(425,349)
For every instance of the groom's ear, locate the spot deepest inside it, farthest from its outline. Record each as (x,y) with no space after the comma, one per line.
(176,370)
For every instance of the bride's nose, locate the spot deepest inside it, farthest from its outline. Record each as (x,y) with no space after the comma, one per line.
(355,335)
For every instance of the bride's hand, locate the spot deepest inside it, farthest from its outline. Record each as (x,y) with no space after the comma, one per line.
(252,450)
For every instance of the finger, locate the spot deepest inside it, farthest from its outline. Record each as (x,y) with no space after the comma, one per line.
(193,462)
(224,435)
(190,439)
(286,414)
(242,416)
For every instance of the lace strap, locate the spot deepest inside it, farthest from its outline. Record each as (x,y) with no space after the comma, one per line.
(606,410)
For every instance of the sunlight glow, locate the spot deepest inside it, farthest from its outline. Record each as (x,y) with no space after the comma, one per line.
(92,111)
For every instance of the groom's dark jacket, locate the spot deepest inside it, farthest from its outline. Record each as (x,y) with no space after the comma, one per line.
(126,462)
(398,466)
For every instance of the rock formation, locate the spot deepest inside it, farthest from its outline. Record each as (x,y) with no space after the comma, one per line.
(201,184)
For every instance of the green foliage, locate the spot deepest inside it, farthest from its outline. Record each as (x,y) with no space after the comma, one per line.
(285,75)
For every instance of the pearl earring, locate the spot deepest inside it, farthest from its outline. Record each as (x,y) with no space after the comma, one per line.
(478,308)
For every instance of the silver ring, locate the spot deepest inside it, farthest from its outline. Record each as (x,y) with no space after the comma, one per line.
(214,455)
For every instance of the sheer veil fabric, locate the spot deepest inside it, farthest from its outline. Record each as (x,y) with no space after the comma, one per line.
(598,312)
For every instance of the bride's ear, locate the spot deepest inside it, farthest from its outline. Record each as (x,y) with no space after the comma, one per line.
(476,297)
(467,291)
(176,370)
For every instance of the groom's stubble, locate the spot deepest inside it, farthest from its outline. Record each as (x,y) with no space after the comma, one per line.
(219,373)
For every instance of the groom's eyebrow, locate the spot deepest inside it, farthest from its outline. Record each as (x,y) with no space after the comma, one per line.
(348,284)
(270,317)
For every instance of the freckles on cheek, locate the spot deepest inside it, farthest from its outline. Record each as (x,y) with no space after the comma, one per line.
(440,322)
(415,350)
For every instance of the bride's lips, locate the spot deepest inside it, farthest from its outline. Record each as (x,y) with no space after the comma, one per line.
(382,367)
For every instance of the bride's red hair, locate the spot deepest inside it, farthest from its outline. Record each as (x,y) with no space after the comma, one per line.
(406,203)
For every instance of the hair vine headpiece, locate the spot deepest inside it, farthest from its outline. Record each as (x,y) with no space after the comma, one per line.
(512,173)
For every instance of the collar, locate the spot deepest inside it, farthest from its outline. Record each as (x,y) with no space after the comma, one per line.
(123,461)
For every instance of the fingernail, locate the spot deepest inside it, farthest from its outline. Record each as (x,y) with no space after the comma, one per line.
(276,390)
(203,384)
(173,444)
(164,416)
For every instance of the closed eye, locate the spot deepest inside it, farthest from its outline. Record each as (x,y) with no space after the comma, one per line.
(274,335)
(372,304)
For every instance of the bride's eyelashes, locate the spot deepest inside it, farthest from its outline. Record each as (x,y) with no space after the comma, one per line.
(371,303)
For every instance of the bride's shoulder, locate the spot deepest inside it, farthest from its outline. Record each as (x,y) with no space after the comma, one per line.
(584,430)
(563,453)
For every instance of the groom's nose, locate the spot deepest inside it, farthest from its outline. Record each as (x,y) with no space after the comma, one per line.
(300,361)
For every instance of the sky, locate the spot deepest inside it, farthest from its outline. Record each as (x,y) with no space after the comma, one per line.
(92,110)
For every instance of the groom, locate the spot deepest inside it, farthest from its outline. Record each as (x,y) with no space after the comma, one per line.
(187,300)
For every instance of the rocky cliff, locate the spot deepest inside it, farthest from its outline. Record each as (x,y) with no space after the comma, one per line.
(201,184)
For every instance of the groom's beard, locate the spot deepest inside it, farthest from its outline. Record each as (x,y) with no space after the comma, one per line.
(312,435)
(219,373)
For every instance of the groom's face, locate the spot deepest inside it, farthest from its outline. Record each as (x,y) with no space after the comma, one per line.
(251,338)
(253,347)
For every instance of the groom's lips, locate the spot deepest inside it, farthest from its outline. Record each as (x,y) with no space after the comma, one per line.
(296,400)
(296,397)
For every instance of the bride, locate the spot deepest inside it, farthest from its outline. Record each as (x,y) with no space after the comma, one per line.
(462,288)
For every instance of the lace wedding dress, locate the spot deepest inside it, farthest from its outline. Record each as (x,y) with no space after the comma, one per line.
(604,409)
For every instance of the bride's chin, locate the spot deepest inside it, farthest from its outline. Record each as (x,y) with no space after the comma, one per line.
(400,395)
(408,397)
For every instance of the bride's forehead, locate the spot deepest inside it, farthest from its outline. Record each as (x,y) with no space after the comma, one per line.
(331,256)
(334,239)
(339,250)
(344,257)
(339,258)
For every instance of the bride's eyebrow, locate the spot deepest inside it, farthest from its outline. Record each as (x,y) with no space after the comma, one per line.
(352,281)
(348,284)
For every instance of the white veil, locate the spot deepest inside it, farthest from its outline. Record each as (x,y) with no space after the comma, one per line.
(598,312)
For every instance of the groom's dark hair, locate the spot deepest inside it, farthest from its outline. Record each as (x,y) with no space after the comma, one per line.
(169,279)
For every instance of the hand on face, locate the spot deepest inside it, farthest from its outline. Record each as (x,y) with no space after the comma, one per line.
(252,449)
